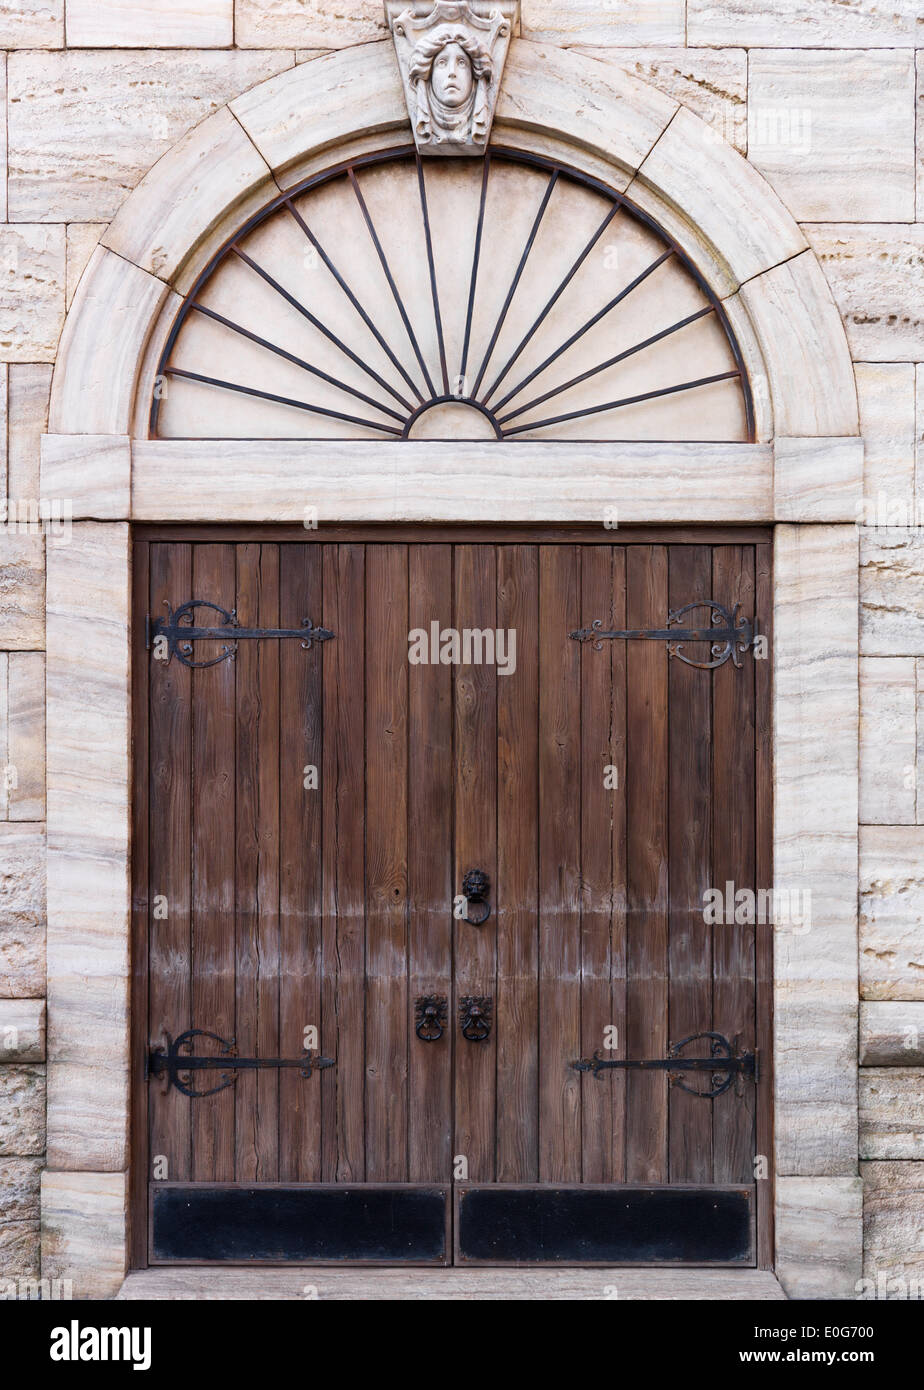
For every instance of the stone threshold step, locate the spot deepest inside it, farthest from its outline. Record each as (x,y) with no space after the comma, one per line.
(580,1285)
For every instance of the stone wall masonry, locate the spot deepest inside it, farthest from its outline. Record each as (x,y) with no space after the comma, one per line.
(22,911)
(307,23)
(22,1111)
(827,102)
(829,159)
(22,592)
(585,22)
(20,1186)
(150,23)
(31,23)
(888,407)
(27,414)
(711,82)
(892,1112)
(876,272)
(892,1034)
(22,1030)
(32,287)
(83,1231)
(888,740)
(804,24)
(22,736)
(891,912)
(893,1229)
(892,591)
(70,161)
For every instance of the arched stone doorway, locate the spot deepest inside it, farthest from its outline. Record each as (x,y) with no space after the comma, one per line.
(737,249)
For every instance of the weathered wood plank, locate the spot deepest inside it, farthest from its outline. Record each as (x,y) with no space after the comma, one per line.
(387,1017)
(300,862)
(647,848)
(517,870)
(344,916)
(429,868)
(559,865)
(170,999)
(475,692)
(214,997)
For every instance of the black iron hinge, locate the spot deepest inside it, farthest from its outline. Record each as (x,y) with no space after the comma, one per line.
(729,634)
(177,1066)
(724,1064)
(178,631)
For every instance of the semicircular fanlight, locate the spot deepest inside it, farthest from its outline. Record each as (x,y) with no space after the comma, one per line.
(505,298)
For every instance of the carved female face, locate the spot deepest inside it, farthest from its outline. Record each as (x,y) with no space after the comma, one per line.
(452,77)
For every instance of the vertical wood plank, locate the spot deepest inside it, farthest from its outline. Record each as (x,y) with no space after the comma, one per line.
(559,864)
(690,772)
(517,870)
(300,751)
(170,799)
(619,859)
(257,917)
(734,861)
(344,901)
(387,1017)
(429,867)
(599,798)
(475,758)
(646,795)
(213,841)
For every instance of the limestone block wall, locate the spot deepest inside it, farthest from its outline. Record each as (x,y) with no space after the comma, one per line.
(827,101)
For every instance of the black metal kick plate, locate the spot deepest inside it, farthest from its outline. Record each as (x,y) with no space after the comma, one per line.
(374,1225)
(604,1225)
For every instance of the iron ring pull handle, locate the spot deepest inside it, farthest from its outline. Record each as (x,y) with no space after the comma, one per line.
(475,1017)
(431,1011)
(475,888)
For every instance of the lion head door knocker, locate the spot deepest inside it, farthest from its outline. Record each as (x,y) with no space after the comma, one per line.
(451,61)
(475,1017)
(474,907)
(431,1012)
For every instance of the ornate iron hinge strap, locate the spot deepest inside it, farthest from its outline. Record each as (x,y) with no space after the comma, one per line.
(729,634)
(177,1067)
(724,1064)
(179,631)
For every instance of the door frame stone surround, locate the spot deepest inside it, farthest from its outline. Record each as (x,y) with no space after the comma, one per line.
(803,475)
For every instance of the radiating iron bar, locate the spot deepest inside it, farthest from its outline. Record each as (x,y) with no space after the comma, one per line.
(298,362)
(556,296)
(283,400)
(585,328)
(604,366)
(476,262)
(553,181)
(425,211)
(383,260)
(366,317)
(322,328)
(617,405)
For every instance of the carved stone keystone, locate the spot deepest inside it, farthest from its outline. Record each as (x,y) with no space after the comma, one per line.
(451,57)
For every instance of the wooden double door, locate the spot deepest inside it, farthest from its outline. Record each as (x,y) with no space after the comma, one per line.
(340,1054)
